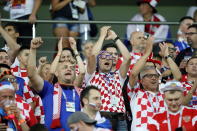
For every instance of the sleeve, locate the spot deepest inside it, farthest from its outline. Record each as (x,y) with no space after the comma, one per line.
(47,89)
(194,120)
(153,125)
(88,77)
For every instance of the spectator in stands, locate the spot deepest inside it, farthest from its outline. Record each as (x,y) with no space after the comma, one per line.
(148,13)
(192,40)
(81,122)
(85,29)
(192,12)
(181,42)
(65,10)
(44,68)
(87,49)
(10,35)
(188,81)
(19,115)
(38,127)
(59,100)
(110,83)
(91,102)
(25,9)
(177,116)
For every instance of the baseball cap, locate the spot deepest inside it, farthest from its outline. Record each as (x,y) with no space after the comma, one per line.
(152,3)
(172,86)
(80,116)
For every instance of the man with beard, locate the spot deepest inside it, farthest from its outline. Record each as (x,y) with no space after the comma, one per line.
(59,100)
(100,74)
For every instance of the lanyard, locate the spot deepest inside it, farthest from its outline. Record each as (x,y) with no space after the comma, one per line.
(168,119)
(64,95)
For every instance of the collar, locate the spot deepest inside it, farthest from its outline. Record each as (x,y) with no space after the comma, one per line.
(66,87)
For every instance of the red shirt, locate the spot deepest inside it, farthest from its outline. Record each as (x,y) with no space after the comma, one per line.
(189,120)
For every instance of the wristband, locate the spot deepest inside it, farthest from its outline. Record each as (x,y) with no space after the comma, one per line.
(166,57)
(21,121)
(116,39)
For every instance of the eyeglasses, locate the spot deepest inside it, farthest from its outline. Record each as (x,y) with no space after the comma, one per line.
(151,76)
(108,57)
(190,33)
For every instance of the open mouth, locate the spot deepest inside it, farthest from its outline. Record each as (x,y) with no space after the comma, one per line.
(106,63)
(67,74)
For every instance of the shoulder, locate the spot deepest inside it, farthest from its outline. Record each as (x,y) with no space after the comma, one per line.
(160,17)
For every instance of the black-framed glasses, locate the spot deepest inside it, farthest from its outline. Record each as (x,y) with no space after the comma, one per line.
(190,33)
(151,76)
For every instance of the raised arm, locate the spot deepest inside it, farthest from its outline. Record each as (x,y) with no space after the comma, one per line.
(173,66)
(35,78)
(141,62)
(111,35)
(91,66)
(79,79)
(13,46)
(189,95)
(32,17)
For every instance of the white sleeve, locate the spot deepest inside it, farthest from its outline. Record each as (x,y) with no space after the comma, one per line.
(88,77)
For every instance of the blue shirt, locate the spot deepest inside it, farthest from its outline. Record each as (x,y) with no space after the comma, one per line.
(47,98)
(21,83)
(9,122)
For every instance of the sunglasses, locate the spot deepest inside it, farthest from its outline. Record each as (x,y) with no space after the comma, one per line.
(108,57)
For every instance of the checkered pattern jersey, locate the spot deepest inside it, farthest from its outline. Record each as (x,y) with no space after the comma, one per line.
(109,84)
(17,71)
(26,110)
(188,86)
(39,109)
(27,92)
(144,105)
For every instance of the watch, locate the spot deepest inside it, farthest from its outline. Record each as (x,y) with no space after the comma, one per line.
(168,56)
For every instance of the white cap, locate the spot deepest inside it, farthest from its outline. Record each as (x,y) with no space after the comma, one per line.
(173,86)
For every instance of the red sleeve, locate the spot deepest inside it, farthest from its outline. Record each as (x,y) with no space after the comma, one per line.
(152,127)
(32,120)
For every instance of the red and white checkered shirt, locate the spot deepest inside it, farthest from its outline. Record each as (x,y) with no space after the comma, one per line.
(144,104)
(26,111)
(110,85)
(28,95)
(17,71)
(39,109)
(188,86)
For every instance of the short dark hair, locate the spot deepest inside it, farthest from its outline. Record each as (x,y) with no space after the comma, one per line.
(193,57)
(2,50)
(85,93)
(109,45)
(186,17)
(69,49)
(13,25)
(5,66)
(193,26)
(24,48)
(38,127)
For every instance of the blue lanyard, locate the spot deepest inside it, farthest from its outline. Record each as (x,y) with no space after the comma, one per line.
(64,95)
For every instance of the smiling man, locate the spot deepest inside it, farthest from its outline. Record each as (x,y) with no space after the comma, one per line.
(176,116)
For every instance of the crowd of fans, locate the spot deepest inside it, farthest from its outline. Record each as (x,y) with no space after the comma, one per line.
(153,87)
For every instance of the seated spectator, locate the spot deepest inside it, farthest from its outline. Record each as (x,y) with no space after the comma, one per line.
(59,100)
(181,42)
(81,122)
(91,102)
(148,13)
(19,116)
(177,116)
